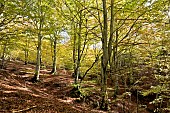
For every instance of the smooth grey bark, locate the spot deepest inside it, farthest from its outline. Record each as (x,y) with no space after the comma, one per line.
(77,74)
(54,69)
(38,63)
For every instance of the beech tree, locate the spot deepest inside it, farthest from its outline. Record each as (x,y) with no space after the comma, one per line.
(37,12)
(9,17)
(81,36)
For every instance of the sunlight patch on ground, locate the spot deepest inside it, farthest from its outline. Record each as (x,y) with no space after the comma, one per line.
(12,87)
(68,100)
(35,95)
(27,75)
(9,91)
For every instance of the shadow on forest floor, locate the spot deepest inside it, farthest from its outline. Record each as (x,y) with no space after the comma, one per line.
(51,94)
(17,94)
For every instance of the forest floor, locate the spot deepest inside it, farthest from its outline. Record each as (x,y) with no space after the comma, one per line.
(50,94)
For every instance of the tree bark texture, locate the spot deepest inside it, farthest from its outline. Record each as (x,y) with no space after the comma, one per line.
(3,55)
(54,70)
(37,70)
(104,61)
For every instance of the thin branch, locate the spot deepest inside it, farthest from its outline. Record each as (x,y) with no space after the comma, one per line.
(96,60)
(127,34)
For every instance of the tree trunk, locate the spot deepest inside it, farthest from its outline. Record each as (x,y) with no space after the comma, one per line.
(115,64)
(3,56)
(54,70)
(104,61)
(26,57)
(37,69)
(77,74)
(26,52)
(41,22)
(74,51)
(104,102)
(110,47)
(110,44)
